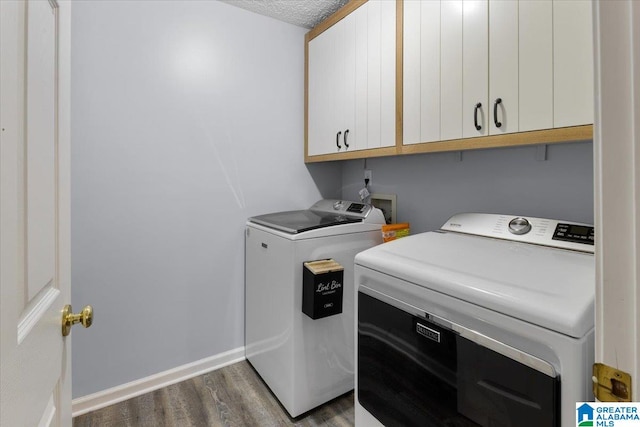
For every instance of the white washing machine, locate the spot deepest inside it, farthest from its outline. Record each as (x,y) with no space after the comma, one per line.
(486,322)
(304,361)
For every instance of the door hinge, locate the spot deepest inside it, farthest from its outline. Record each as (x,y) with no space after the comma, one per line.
(610,384)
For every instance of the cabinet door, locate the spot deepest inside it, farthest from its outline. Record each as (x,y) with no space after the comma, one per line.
(475,70)
(411,82)
(321,94)
(374,62)
(520,66)
(451,100)
(352,80)
(360,136)
(387,73)
(421,80)
(346,64)
(331,88)
(503,67)
(535,64)
(381,37)
(572,63)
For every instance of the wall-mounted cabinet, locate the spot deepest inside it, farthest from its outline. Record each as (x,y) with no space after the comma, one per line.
(331,66)
(572,63)
(404,77)
(351,79)
(474,68)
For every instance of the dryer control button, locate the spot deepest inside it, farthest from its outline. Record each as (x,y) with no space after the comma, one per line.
(519,226)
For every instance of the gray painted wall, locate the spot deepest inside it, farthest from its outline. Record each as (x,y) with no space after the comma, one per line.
(187,118)
(432,187)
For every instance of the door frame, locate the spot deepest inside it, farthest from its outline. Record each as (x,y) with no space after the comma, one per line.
(617,184)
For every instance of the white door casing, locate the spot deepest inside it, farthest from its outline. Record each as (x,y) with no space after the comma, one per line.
(35,374)
(617,185)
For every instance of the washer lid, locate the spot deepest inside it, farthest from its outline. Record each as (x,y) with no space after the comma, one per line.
(550,287)
(323,213)
(298,221)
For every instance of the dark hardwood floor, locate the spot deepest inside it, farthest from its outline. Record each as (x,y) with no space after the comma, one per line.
(232,396)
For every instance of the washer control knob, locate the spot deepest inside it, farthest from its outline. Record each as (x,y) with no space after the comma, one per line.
(337,205)
(519,226)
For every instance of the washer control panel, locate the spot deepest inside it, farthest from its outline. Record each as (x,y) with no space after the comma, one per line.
(539,231)
(342,207)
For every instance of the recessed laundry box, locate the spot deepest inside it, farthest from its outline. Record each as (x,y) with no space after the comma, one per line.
(299,294)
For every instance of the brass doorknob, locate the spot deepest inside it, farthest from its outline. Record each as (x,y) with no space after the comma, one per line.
(69,319)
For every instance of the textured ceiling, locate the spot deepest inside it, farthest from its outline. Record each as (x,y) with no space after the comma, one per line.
(304,13)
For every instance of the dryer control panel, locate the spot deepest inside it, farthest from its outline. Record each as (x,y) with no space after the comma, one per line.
(574,233)
(540,231)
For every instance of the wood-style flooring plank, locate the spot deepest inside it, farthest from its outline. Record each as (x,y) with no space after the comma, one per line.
(234,396)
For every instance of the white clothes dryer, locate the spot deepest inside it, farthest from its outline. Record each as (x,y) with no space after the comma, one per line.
(488,321)
(304,361)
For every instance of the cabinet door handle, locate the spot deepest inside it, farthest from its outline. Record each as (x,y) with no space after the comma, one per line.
(346,144)
(475,115)
(338,140)
(495,112)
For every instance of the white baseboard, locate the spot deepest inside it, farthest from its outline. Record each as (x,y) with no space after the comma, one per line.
(113,395)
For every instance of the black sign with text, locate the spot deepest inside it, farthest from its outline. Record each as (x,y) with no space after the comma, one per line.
(322,289)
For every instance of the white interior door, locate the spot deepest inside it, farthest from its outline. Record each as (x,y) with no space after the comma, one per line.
(617,185)
(35,365)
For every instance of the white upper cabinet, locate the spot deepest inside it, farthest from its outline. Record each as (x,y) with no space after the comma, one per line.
(361,79)
(520,66)
(351,82)
(331,64)
(432,71)
(470,68)
(382,14)
(503,104)
(475,68)
(490,67)
(450,69)
(319,115)
(344,112)
(573,63)
(535,65)
(421,59)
